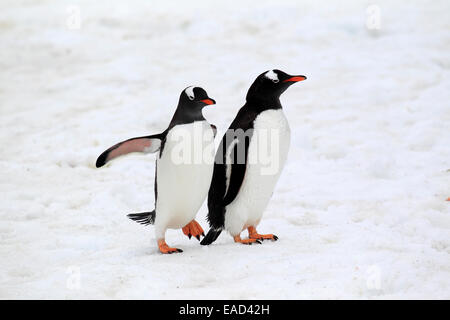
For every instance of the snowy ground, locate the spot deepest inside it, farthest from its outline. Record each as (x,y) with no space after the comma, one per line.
(360,208)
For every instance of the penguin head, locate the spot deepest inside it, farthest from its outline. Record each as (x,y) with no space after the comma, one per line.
(271,84)
(192,101)
(195,98)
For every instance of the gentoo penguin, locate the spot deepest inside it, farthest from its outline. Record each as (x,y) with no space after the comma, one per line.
(249,160)
(184,167)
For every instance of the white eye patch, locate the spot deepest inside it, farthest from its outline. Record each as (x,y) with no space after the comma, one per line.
(272,76)
(190,92)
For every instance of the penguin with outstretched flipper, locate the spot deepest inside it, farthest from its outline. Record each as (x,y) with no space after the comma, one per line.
(184,167)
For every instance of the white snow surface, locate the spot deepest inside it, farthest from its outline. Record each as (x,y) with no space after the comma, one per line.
(360,208)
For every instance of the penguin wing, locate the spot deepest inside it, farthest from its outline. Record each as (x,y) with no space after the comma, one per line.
(226,182)
(230,166)
(147,144)
(235,166)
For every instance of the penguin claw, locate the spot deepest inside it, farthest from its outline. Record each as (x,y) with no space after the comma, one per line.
(273,238)
(165,249)
(252,234)
(193,228)
(248,241)
(173,250)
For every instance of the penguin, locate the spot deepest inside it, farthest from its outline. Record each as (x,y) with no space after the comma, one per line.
(184,167)
(249,161)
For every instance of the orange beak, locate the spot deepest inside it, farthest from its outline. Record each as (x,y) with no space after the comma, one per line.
(295,79)
(208,101)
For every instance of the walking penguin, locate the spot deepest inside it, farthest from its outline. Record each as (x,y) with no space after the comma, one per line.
(184,167)
(249,160)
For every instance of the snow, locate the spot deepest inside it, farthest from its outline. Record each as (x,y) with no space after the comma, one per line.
(360,208)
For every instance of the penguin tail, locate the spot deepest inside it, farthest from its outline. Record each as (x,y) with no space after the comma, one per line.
(212,236)
(144,218)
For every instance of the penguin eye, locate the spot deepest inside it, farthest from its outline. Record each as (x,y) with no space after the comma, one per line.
(191,97)
(275,80)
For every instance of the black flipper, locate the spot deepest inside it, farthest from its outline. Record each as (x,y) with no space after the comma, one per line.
(231,158)
(212,236)
(237,166)
(144,218)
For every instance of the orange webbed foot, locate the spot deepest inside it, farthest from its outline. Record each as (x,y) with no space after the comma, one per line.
(193,228)
(164,248)
(252,234)
(245,241)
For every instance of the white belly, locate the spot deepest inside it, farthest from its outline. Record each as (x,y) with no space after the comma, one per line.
(184,174)
(267,155)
